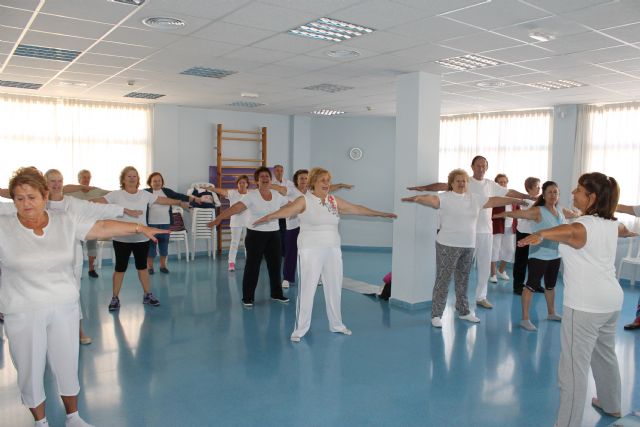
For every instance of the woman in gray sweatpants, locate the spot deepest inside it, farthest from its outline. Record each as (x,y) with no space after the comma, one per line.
(455,242)
(592,299)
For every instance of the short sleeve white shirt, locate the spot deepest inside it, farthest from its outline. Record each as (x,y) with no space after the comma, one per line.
(589,272)
(525,225)
(159,214)
(138,201)
(458,218)
(241,219)
(293,222)
(486,188)
(38,271)
(636,210)
(258,207)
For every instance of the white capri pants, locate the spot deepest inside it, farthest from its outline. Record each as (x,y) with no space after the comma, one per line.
(504,247)
(237,234)
(314,262)
(37,336)
(484,243)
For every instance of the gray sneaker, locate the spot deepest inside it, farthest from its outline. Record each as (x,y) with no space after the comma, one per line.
(150,299)
(114,304)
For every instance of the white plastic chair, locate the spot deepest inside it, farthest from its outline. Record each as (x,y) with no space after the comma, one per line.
(180,235)
(199,230)
(100,247)
(631,258)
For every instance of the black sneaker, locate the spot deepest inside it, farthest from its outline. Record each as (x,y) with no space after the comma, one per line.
(150,299)
(247,302)
(164,270)
(114,304)
(150,270)
(281,299)
(92,273)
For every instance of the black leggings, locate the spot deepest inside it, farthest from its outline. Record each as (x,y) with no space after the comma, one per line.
(261,244)
(542,267)
(520,263)
(123,251)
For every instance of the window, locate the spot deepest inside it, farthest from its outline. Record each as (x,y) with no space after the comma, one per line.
(608,141)
(71,135)
(515,143)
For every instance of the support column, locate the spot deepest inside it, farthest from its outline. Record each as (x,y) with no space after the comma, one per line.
(300,148)
(416,163)
(561,154)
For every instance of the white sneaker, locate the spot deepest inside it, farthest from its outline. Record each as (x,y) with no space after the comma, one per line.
(554,317)
(345,331)
(295,338)
(503,275)
(526,324)
(285,284)
(493,279)
(470,318)
(436,322)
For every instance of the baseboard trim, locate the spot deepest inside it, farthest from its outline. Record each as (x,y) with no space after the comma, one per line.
(377,249)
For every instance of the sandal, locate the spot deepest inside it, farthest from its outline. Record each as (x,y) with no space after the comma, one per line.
(596,404)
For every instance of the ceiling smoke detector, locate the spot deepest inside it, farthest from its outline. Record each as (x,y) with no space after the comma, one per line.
(163,22)
(343,53)
(489,84)
(541,37)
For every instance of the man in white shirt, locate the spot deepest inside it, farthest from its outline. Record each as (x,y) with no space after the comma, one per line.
(279,179)
(631,210)
(478,184)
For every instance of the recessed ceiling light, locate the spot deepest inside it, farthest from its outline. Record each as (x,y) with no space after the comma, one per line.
(143,95)
(249,95)
(541,37)
(490,84)
(215,73)
(343,53)
(556,84)
(327,112)
(129,2)
(468,62)
(68,83)
(20,85)
(42,52)
(246,104)
(163,22)
(330,30)
(328,87)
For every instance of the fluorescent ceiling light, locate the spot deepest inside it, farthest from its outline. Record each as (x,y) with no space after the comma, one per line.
(246,104)
(556,84)
(20,85)
(129,2)
(327,112)
(163,22)
(328,87)
(468,62)
(143,95)
(215,73)
(490,84)
(249,95)
(69,83)
(330,30)
(541,37)
(42,52)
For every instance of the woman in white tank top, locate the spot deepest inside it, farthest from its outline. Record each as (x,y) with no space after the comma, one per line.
(592,299)
(319,248)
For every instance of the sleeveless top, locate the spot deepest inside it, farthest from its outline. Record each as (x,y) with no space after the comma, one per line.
(547,250)
(319,223)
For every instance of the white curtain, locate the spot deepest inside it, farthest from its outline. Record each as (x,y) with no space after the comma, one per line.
(608,141)
(71,135)
(515,143)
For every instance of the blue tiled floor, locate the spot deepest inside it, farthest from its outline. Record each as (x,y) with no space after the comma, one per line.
(200,359)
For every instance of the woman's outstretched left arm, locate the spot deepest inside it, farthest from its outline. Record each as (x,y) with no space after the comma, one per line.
(347,208)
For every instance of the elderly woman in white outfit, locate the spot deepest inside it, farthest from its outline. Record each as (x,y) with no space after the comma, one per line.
(39,293)
(592,299)
(319,248)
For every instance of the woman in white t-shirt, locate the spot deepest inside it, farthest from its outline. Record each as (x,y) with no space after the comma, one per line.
(39,293)
(262,241)
(592,299)
(159,216)
(319,248)
(131,197)
(456,240)
(504,237)
(238,222)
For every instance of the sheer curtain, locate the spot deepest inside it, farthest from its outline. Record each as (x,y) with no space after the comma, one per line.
(608,141)
(71,135)
(515,143)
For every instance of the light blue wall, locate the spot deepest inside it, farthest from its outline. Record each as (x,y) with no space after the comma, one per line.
(331,139)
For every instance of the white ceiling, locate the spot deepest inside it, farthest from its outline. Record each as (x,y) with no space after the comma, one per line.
(597,42)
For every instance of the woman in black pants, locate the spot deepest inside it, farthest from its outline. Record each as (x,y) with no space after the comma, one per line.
(532,185)
(262,240)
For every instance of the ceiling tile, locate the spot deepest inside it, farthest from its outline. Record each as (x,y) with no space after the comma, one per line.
(208,9)
(16,18)
(627,33)
(564,6)
(518,54)
(232,33)
(69,26)
(5,47)
(23,61)
(498,13)
(379,14)
(265,56)
(200,47)
(616,53)
(381,42)
(100,11)
(624,66)
(294,44)
(556,26)
(268,17)
(9,34)
(505,70)
(122,49)
(579,43)
(611,14)
(106,60)
(26,71)
(480,42)
(140,37)
(316,7)
(433,28)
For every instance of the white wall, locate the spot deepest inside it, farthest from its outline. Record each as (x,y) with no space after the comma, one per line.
(372,176)
(184,141)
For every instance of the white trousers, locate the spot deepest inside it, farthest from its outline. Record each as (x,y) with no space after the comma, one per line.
(35,337)
(503,247)
(237,234)
(484,243)
(313,263)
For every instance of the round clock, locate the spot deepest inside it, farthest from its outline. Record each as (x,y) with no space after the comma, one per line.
(355,153)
